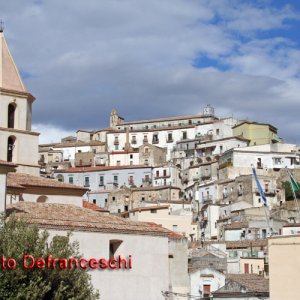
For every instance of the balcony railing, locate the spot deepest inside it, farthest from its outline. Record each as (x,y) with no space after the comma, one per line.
(268,192)
(207,198)
(205,176)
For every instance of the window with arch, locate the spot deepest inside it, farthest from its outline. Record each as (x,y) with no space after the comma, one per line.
(60,178)
(10,147)
(11,115)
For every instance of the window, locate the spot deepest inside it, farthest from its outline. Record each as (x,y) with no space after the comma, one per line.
(86,181)
(145,139)
(116,142)
(10,147)
(94,201)
(113,198)
(165,173)
(126,208)
(101,180)
(170,137)
(115,179)
(113,247)
(118,162)
(60,178)
(190,122)
(133,140)
(157,173)
(206,290)
(71,180)
(146,150)
(217,131)
(175,227)
(221,148)
(131,156)
(11,115)
(147,178)
(153,211)
(131,181)
(184,135)
(155,138)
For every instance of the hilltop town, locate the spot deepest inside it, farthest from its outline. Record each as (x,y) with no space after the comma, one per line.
(196,200)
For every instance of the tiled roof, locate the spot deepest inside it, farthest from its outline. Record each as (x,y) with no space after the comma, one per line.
(7,164)
(186,117)
(93,206)
(171,234)
(236,225)
(100,168)
(292,225)
(252,282)
(25,180)
(150,208)
(67,217)
(246,243)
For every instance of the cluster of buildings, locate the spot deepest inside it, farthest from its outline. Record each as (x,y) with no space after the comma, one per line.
(177,194)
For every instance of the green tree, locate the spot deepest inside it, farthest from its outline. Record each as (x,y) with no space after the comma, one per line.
(18,238)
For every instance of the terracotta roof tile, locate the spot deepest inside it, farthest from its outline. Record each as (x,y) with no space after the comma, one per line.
(25,180)
(66,217)
(93,206)
(100,168)
(252,282)
(236,225)
(246,243)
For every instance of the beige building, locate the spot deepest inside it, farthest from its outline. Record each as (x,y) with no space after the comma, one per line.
(5,167)
(180,221)
(257,133)
(18,144)
(284,264)
(105,236)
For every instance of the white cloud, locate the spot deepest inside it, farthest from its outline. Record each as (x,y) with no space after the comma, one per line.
(51,133)
(86,57)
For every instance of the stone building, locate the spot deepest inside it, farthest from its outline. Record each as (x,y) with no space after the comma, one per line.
(18,144)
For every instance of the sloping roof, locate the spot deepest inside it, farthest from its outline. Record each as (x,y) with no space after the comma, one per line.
(236,225)
(67,217)
(150,208)
(93,206)
(10,78)
(25,180)
(7,165)
(186,117)
(171,234)
(100,168)
(252,282)
(246,243)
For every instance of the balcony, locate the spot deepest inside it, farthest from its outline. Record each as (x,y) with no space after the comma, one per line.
(116,142)
(206,198)
(268,192)
(169,140)
(205,176)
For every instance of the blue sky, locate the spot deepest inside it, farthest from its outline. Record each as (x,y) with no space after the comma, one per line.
(150,59)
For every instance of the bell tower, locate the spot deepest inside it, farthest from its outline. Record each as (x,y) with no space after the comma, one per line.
(18,144)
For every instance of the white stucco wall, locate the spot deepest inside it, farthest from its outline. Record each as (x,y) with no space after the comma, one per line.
(149,274)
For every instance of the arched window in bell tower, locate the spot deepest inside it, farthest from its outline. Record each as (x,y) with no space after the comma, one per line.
(10,147)
(11,115)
